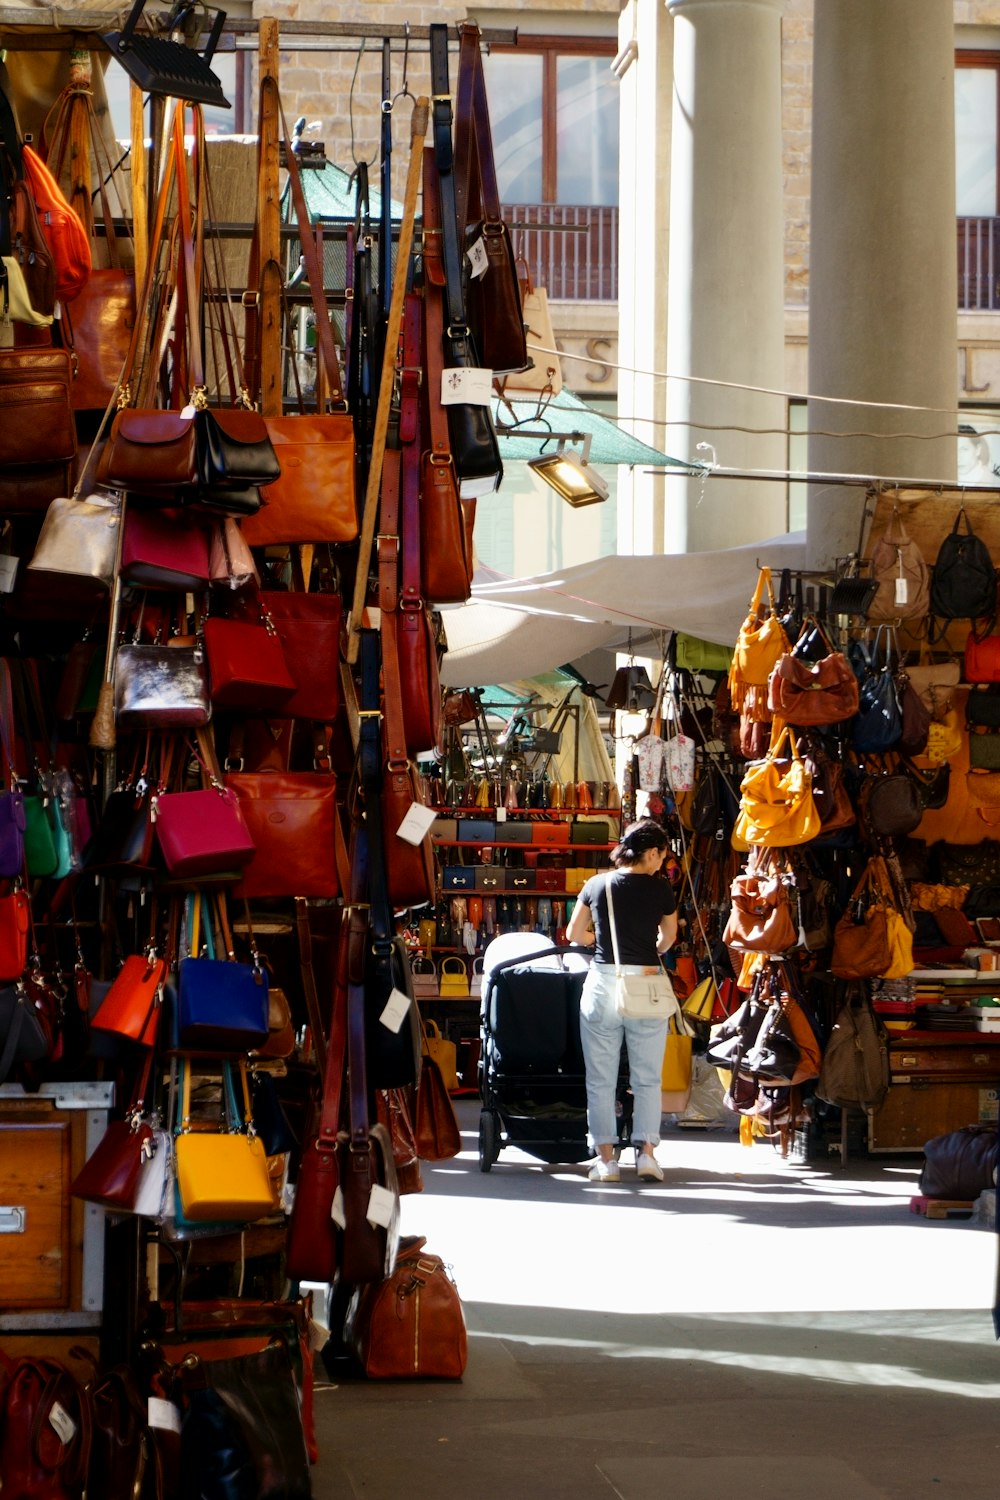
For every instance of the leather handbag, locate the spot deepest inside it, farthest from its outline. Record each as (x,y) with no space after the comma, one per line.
(131,1007)
(935,682)
(861,948)
(99,327)
(760,920)
(960,1164)
(79,539)
(230,561)
(45,1424)
(246,664)
(221,1006)
(436,1131)
(776,802)
(496,317)
(15,916)
(892,805)
(879,722)
(150,452)
(235,451)
(124,837)
(441,1050)
(111,1174)
(760,644)
(412,1323)
(221,1175)
(202,832)
(903,577)
(984,750)
(675,1070)
(454,979)
(982,658)
(409,867)
(811,693)
(161,687)
(24,1036)
(291,818)
(308,628)
(123,1449)
(982,708)
(38,434)
(164,549)
(15,299)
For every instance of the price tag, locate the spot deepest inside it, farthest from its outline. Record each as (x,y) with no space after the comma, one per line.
(394,1012)
(381,1207)
(417,824)
(478,259)
(902,591)
(466,387)
(62,1422)
(501,815)
(187,411)
(8,573)
(165,1414)
(337,1209)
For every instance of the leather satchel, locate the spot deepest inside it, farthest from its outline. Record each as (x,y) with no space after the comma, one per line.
(496,317)
(164,549)
(235,451)
(45,1425)
(111,1175)
(806,693)
(221,1006)
(246,664)
(151,452)
(308,627)
(435,1127)
(982,658)
(161,687)
(760,920)
(131,1007)
(892,805)
(412,1323)
(38,432)
(79,540)
(861,948)
(100,323)
(291,818)
(24,1036)
(202,832)
(776,802)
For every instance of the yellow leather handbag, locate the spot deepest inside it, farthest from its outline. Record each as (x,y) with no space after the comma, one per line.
(760,643)
(444,1053)
(221,1175)
(776,800)
(675,1074)
(454,978)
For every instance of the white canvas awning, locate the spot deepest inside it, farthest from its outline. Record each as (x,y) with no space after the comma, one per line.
(517,627)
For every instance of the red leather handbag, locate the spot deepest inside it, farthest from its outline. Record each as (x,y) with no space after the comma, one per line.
(292,820)
(164,549)
(14,922)
(982,659)
(246,664)
(45,1426)
(131,1008)
(308,627)
(202,832)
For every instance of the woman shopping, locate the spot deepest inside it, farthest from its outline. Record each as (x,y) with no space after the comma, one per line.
(645,925)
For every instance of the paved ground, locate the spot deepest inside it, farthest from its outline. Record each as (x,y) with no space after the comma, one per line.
(747,1328)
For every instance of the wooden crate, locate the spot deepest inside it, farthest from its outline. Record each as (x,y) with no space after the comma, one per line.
(51,1244)
(958,1056)
(916,1111)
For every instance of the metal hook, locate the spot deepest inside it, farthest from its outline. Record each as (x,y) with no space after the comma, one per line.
(354,80)
(404,92)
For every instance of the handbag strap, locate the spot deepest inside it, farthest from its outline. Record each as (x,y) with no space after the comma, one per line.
(314,1014)
(611,919)
(764,585)
(410,443)
(457,331)
(475,167)
(440,445)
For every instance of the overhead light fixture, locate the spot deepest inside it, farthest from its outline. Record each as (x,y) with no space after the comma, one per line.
(570,475)
(169,64)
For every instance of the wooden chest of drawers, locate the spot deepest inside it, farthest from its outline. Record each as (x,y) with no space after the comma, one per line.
(941,1081)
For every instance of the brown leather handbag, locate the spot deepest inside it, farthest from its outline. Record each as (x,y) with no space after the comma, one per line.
(412,1323)
(496,317)
(37,430)
(809,693)
(291,817)
(861,948)
(435,1127)
(760,920)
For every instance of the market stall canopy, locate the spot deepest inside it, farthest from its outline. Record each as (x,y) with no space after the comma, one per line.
(523,626)
(565,414)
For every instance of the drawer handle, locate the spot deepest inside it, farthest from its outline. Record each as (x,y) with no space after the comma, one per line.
(12,1219)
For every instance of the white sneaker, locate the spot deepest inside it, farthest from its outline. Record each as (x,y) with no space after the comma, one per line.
(649,1168)
(604,1171)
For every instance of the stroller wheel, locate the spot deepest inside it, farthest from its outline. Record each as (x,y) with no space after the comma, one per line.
(489,1144)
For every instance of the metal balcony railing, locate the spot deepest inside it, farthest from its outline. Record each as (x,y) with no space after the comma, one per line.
(571,249)
(979,265)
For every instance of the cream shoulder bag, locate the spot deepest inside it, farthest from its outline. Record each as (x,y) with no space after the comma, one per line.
(646,997)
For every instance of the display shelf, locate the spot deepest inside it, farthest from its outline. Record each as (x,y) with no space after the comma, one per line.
(528,812)
(515,844)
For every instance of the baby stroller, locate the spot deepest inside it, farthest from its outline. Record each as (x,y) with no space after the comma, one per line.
(532,1086)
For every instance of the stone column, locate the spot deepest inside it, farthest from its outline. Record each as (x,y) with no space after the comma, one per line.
(883,270)
(644,223)
(725,317)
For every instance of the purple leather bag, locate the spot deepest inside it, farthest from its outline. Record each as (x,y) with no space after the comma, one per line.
(11,835)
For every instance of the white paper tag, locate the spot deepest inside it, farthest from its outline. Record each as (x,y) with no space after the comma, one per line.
(62,1422)
(417,824)
(902,591)
(478,258)
(187,411)
(337,1209)
(163,1414)
(8,573)
(466,387)
(381,1207)
(501,815)
(394,1013)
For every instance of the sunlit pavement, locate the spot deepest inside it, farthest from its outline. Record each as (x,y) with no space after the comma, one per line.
(747,1327)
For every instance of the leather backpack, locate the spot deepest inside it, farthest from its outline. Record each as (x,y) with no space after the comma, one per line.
(855,1071)
(902,575)
(964,580)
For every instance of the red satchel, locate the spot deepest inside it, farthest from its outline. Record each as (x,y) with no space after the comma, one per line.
(164,549)
(131,1008)
(982,659)
(203,832)
(14,922)
(308,627)
(246,664)
(45,1424)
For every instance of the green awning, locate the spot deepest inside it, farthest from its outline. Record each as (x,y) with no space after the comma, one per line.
(565,414)
(329,195)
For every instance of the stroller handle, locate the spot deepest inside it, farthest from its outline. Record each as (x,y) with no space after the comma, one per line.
(553,952)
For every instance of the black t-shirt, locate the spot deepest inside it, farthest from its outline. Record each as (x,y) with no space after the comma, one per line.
(640,902)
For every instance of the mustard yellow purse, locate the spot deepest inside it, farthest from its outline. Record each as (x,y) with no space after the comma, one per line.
(760,643)
(454,978)
(221,1175)
(776,800)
